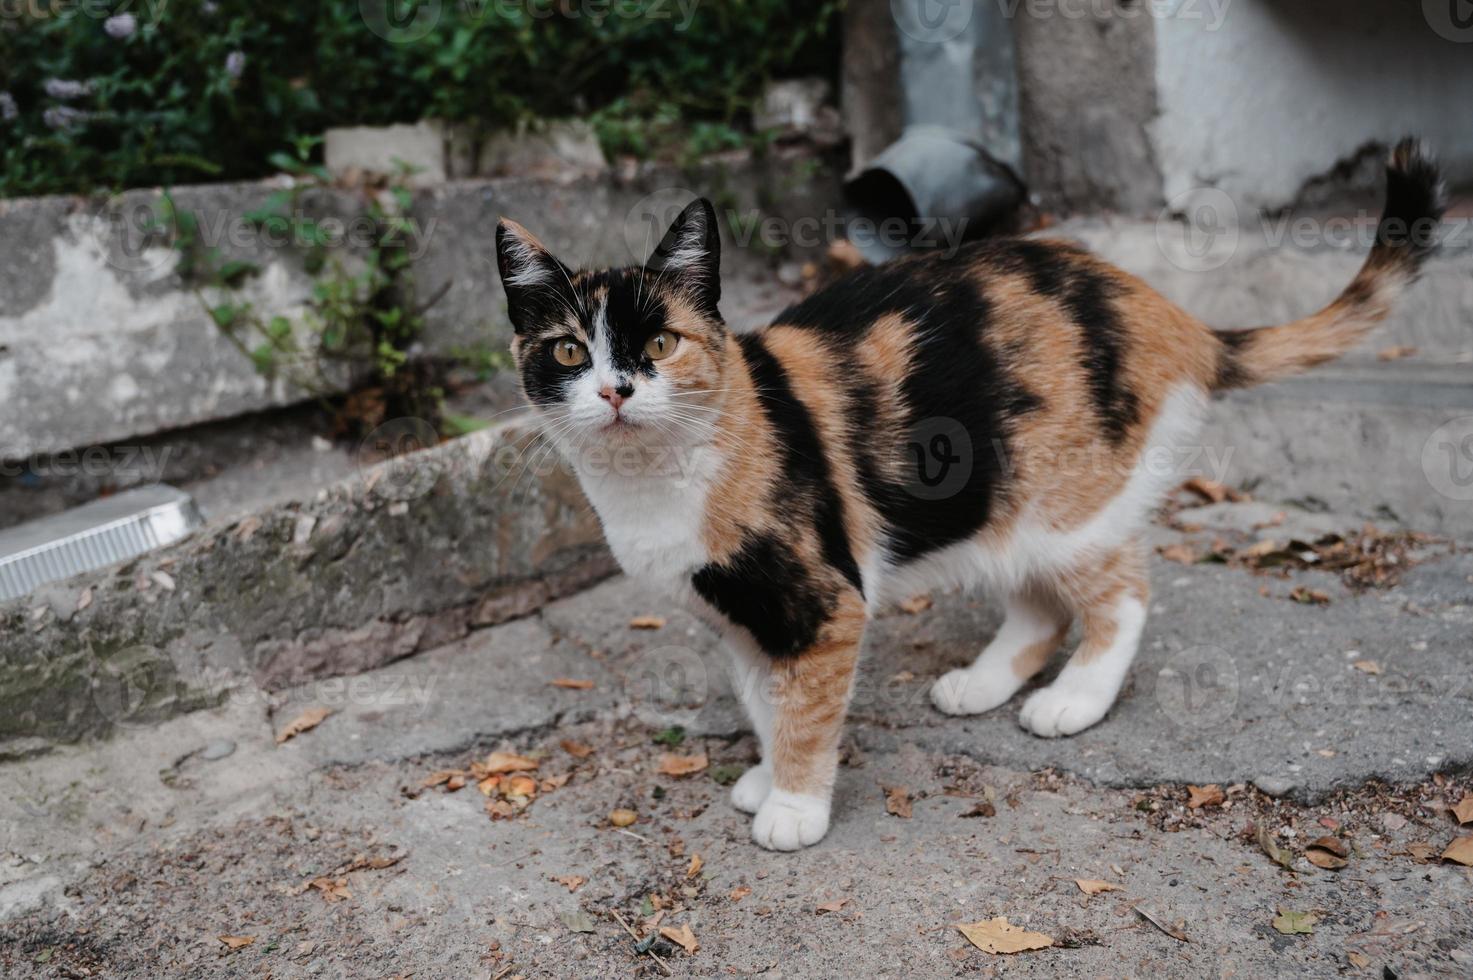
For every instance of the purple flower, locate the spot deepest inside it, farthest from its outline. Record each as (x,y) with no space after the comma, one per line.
(9,111)
(235,63)
(120,27)
(65,88)
(64,117)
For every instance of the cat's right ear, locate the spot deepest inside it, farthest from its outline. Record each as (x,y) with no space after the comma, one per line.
(536,283)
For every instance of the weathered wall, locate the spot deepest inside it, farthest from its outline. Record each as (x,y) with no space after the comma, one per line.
(1270,95)
(1087,98)
(403,556)
(100,340)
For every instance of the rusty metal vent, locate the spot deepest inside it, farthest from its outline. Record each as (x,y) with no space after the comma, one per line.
(93,536)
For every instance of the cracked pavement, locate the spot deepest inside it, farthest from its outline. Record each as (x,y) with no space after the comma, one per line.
(132,857)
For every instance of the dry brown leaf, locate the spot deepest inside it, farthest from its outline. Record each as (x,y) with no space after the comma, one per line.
(1367,666)
(1001,936)
(897,801)
(1093,886)
(682,765)
(1358,960)
(331,889)
(1200,796)
(508,762)
(1281,855)
(1211,490)
(437,777)
(833,906)
(682,937)
(1306,596)
(570,684)
(576,749)
(622,817)
(521,786)
(500,809)
(555,782)
(647,622)
(304,722)
(1463,811)
(571,882)
(1329,853)
(1182,554)
(916,604)
(696,864)
(85,599)
(737,894)
(1461,851)
(236,942)
(488,785)
(455,782)
(1395,353)
(1421,852)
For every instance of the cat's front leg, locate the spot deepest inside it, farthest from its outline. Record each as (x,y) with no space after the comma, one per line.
(809,695)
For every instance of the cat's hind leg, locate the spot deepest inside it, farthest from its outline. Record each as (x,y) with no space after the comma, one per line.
(1034,624)
(1110,596)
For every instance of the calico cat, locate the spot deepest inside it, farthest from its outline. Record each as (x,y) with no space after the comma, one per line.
(1006,415)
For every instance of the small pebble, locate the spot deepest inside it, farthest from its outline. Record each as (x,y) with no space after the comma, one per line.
(1273,785)
(220,748)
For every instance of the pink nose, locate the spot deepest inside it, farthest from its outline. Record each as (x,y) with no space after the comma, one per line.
(615,396)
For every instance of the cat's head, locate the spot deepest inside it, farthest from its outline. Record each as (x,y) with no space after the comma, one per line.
(620,356)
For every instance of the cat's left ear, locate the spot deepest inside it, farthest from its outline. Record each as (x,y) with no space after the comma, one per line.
(689,256)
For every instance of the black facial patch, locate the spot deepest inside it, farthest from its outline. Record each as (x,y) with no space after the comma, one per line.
(766,590)
(635,313)
(958,399)
(543,378)
(805,466)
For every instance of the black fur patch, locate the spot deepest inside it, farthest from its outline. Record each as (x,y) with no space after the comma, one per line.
(766,590)
(804,464)
(1089,298)
(959,399)
(1230,370)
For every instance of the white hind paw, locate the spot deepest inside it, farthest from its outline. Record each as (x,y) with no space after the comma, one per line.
(751,790)
(1055,710)
(969,692)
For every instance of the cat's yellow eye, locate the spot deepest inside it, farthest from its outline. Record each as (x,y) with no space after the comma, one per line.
(661,345)
(568,352)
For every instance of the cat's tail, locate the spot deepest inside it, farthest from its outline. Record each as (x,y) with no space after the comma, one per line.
(1405,237)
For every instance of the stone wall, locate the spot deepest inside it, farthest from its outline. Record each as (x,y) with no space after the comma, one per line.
(102,340)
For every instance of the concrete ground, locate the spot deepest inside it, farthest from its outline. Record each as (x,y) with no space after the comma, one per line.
(327,855)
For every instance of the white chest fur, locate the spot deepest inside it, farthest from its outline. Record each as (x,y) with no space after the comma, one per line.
(652,523)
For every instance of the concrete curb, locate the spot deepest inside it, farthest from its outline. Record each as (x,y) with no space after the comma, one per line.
(403,556)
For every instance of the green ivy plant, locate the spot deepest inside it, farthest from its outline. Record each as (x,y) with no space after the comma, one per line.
(191,90)
(362,319)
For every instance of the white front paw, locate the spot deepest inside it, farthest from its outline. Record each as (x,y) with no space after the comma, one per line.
(787,821)
(1058,710)
(964,692)
(749,792)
